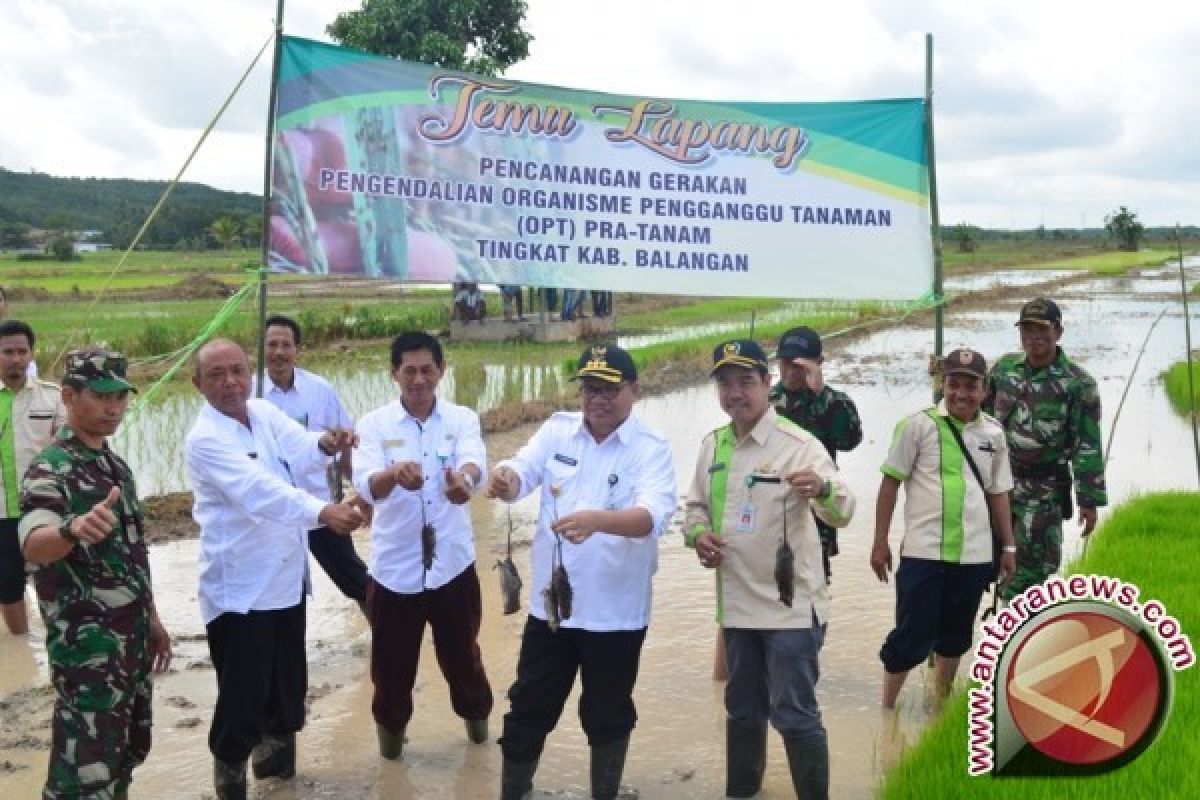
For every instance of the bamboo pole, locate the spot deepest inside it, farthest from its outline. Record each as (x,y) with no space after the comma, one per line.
(266,225)
(935,229)
(1187,333)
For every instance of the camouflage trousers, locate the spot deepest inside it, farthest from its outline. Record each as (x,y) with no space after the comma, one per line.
(1037,528)
(101,723)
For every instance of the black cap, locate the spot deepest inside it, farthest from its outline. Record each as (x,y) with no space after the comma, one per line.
(1041,310)
(607,363)
(799,342)
(965,361)
(745,353)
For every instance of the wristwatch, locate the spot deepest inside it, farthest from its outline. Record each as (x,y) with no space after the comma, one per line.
(1008,548)
(64,530)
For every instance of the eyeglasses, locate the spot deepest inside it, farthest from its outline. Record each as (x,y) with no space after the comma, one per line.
(602,389)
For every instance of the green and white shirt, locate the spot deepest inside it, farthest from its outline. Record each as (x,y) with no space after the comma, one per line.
(945,511)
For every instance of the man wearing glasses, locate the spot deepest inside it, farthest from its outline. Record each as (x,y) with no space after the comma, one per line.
(607,492)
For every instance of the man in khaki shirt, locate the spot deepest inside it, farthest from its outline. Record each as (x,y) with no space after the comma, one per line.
(755,483)
(31,412)
(952,460)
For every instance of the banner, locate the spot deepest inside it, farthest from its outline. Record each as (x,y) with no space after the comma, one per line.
(389,169)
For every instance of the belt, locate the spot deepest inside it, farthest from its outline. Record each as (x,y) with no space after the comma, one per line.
(1057,470)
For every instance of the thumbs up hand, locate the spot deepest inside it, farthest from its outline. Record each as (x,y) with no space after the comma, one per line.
(96,525)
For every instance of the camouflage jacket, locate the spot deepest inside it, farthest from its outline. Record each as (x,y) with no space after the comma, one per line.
(1051,417)
(105,584)
(829,415)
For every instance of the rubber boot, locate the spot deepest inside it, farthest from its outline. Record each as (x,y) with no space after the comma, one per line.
(608,763)
(391,745)
(229,780)
(745,758)
(477,730)
(275,757)
(809,763)
(516,779)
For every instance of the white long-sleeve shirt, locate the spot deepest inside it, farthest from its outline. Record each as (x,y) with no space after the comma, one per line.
(313,403)
(450,437)
(610,575)
(254,521)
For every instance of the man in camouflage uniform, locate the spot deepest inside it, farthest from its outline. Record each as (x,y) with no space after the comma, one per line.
(1050,411)
(83,528)
(802,397)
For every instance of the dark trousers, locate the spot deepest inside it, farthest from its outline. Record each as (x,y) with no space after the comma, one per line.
(337,556)
(262,678)
(12,563)
(773,676)
(608,664)
(936,604)
(454,612)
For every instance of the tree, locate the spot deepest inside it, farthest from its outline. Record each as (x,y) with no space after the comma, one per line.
(966,236)
(226,231)
(14,234)
(252,230)
(1124,227)
(482,36)
(62,248)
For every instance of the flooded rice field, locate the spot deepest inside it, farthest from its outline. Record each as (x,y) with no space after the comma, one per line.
(677,750)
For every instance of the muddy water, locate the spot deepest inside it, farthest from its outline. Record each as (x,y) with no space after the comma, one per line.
(677,748)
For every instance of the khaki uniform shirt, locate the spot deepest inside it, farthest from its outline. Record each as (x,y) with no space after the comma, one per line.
(37,414)
(751,521)
(945,511)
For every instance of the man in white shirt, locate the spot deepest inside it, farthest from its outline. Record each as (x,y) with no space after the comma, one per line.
(952,460)
(241,454)
(607,492)
(312,402)
(419,460)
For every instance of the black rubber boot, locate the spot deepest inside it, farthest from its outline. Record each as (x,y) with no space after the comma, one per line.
(516,779)
(229,780)
(608,763)
(391,745)
(809,764)
(275,757)
(745,758)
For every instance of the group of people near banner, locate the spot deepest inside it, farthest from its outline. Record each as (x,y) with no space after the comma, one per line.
(987,474)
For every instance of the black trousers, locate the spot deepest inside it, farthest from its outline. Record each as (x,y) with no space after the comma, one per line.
(337,556)
(262,678)
(608,664)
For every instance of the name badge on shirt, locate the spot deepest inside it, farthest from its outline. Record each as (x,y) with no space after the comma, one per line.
(570,462)
(745,519)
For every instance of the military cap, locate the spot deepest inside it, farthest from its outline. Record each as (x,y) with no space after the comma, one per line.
(1042,311)
(99,370)
(799,342)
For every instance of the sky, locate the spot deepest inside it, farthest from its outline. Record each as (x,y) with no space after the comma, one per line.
(1046,112)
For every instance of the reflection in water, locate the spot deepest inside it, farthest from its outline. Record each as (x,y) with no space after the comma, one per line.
(677,701)
(152,441)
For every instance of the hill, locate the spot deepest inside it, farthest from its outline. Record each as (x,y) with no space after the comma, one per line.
(117,206)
